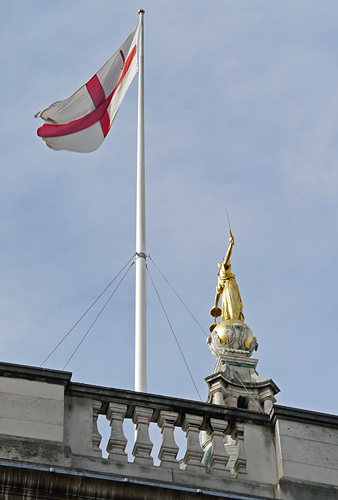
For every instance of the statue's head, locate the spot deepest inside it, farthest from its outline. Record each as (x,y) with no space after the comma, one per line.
(227,267)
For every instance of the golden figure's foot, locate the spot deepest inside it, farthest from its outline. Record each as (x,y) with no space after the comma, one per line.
(211,328)
(215,312)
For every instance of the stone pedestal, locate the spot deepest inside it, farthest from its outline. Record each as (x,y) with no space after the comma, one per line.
(235,381)
(238,385)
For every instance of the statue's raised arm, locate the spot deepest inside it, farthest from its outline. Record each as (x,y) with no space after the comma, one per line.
(226,261)
(232,306)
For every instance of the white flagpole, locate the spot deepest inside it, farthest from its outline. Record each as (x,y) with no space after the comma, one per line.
(141,285)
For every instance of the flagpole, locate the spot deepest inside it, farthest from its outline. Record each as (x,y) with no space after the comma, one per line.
(141,285)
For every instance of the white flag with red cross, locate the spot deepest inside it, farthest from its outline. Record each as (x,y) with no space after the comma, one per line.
(81,122)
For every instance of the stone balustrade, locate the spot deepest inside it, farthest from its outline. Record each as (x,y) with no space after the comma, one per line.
(194,418)
(50,423)
(49,440)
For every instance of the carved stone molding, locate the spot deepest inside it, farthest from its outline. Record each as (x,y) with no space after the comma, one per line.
(232,337)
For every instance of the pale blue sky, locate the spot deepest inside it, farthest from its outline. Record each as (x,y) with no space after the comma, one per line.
(241,112)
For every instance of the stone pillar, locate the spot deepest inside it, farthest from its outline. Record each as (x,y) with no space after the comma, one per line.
(117,442)
(219,456)
(143,446)
(230,400)
(268,405)
(206,436)
(96,435)
(253,403)
(217,388)
(267,398)
(169,449)
(194,454)
(218,398)
(238,436)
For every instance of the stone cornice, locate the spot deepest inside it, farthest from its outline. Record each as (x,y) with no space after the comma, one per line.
(34,373)
(251,385)
(304,416)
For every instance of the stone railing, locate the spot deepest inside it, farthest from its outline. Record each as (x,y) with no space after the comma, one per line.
(50,424)
(214,422)
(50,444)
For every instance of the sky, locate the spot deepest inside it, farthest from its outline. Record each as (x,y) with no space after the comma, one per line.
(241,113)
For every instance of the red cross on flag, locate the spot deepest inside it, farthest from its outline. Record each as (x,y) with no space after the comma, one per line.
(81,122)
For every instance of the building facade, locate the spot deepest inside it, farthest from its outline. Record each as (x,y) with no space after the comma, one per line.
(50,443)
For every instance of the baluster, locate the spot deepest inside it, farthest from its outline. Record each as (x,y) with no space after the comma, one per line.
(96,435)
(219,456)
(143,446)
(194,453)
(117,442)
(241,461)
(169,449)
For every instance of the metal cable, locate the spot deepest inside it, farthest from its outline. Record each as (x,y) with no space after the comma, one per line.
(250,395)
(191,314)
(83,315)
(172,330)
(97,317)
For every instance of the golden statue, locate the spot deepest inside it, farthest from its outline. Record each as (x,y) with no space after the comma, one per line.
(232,306)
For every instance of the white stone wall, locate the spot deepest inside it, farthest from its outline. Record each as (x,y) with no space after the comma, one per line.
(79,425)
(307,452)
(260,453)
(31,409)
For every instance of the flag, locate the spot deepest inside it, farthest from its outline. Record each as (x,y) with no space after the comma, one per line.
(81,122)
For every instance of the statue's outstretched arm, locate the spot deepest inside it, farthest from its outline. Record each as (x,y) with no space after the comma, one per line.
(226,260)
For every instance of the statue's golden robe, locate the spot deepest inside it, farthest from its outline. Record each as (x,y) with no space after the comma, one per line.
(232,306)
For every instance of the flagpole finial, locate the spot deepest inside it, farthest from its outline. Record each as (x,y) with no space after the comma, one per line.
(141,11)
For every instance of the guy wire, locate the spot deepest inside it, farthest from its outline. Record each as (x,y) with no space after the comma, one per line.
(83,315)
(250,395)
(172,330)
(97,317)
(191,314)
